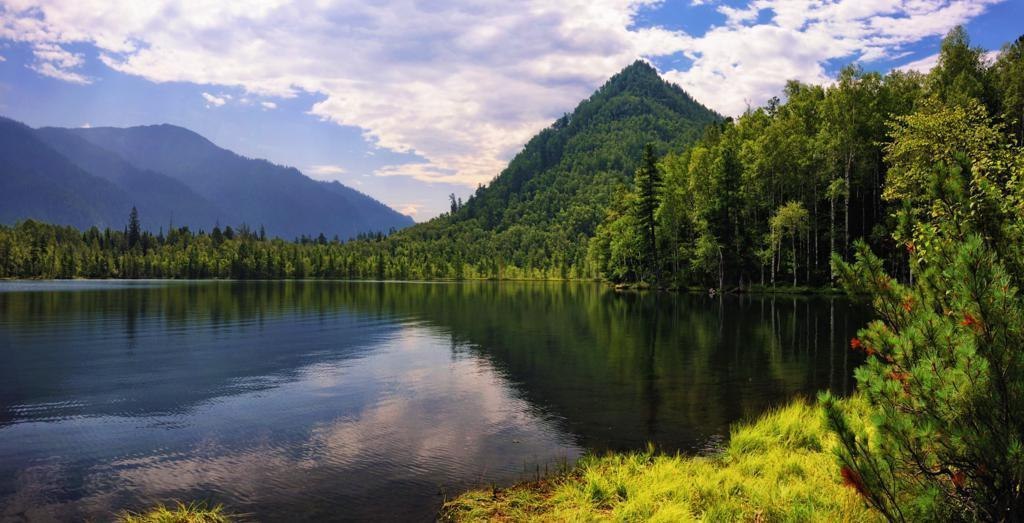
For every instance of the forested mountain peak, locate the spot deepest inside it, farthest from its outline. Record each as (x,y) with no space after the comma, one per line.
(578,162)
(542,208)
(641,79)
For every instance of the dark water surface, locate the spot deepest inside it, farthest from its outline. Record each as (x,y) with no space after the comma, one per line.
(354,401)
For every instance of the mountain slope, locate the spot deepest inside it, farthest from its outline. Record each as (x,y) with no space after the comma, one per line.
(568,172)
(162,199)
(257,192)
(538,213)
(37,182)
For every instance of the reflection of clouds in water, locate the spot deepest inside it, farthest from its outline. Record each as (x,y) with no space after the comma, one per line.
(432,419)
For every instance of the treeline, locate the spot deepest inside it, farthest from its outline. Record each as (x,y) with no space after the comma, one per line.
(768,197)
(32,249)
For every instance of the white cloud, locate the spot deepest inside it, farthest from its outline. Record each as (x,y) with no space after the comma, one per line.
(56,62)
(926,64)
(325,172)
(768,42)
(215,101)
(2,59)
(269,105)
(463,83)
(409,209)
(922,65)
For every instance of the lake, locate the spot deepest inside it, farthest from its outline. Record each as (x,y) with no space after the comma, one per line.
(355,401)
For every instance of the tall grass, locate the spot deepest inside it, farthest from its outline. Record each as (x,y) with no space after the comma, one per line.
(778,468)
(180,513)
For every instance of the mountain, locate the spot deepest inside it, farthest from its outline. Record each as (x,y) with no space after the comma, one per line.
(38,182)
(539,212)
(568,172)
(86,177)
(256,192)
(162,199)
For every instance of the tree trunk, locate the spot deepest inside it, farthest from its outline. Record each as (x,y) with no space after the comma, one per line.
(832,237)
(846,201)
(795,237)
(721,269)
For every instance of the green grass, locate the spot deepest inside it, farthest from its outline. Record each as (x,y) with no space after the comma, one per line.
(180,513)
(778,468)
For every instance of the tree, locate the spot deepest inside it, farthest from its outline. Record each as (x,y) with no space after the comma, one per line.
(1008,76)
(960,75)
(943,435)
(648,187)
(938,133)
(790,220)
(134,228)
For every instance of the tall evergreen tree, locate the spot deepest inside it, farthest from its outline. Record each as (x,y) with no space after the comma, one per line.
(134,228)
(648,187)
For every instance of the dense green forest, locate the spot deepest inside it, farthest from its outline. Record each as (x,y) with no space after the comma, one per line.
(639,183)
(768,197)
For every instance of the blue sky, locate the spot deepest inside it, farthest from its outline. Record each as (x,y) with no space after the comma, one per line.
(410,100)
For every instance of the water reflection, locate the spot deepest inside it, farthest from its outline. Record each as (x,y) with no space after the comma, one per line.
(319,400)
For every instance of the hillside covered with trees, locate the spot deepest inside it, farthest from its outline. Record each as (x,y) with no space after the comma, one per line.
(766,198)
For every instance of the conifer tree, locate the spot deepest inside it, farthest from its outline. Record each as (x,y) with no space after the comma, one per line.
(134,228)
(648,187)
(943,438)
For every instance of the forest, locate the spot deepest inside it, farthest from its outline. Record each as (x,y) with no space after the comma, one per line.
(640,184)
(766,198)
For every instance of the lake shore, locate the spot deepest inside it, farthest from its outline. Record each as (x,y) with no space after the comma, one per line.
(779,467)
(756,290)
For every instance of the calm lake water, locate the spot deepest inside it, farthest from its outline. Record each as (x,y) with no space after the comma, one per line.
(355,401)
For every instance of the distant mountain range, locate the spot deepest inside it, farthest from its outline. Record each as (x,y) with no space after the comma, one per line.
(93,176)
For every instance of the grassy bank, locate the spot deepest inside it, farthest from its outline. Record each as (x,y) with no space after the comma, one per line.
(180,513)
(777,468)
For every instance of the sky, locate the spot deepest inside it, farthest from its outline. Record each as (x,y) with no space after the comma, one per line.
(409,101)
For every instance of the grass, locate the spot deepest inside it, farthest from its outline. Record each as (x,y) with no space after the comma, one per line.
(778,468)
(180,513)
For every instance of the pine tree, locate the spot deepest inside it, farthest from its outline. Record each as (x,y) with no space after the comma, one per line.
(648,186)
(944,380)
(134,228)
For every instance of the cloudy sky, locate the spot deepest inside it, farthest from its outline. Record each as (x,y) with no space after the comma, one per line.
(410,100)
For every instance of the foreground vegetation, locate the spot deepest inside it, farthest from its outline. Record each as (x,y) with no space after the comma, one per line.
(781,467)
(179,513)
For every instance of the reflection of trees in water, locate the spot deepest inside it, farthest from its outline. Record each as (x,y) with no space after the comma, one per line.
(150,349)
(619,368)
(623,368)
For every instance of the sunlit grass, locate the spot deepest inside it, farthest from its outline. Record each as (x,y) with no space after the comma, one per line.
(179,513)
(777,468)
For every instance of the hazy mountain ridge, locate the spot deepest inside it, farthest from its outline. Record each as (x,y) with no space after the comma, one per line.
(38,182)
(173,175)
(255,191)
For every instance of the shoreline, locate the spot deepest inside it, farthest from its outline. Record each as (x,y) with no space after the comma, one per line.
(756,290)
(780,466)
